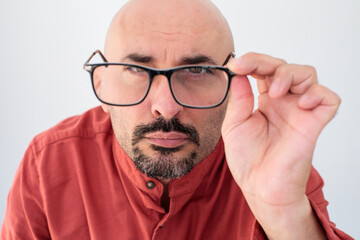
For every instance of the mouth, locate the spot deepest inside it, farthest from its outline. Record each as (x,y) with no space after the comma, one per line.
(167,139)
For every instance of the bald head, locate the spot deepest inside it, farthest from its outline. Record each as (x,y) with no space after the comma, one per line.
(166,29)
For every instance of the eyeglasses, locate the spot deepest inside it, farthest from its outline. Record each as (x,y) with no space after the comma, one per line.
(193,86)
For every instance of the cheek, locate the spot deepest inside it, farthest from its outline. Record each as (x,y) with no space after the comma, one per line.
(125,119)
(122,123)
(209,123)
(209,128)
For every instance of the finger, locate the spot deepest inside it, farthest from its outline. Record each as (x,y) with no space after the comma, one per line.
(263,85)
(241,102)
(255,64)
(294,78)
(318,95)
(321,100)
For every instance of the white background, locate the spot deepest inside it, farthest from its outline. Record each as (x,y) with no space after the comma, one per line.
(43,45)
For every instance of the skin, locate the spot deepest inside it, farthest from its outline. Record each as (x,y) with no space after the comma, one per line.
(269,151)
(167,42)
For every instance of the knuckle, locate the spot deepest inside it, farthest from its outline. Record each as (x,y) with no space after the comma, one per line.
(250,55)
(311,70)
(338,99)
(283,69)
(309,74)
(264,58)
(318,88)
(281,61)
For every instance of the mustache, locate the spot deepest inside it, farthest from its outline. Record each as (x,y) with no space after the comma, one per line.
(160,124)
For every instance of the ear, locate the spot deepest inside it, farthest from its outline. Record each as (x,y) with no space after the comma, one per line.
(97,75)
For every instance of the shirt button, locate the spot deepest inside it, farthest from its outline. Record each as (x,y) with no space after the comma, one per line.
(150,184)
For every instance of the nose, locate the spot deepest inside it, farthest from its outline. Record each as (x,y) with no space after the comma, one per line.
(163,103)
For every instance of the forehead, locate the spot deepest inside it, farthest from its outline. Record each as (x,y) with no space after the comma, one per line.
(169,13)
(170,30)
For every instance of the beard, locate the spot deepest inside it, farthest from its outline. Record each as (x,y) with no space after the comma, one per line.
(163,164)
(167,163)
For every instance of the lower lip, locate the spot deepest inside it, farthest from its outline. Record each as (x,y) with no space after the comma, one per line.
(168,143)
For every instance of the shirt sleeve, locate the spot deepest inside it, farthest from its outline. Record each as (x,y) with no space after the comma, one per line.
(319,204)
(25,217)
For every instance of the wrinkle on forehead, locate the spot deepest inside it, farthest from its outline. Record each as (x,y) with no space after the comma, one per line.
(169,19)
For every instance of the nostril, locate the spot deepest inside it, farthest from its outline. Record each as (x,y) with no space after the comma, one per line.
(166,108)
(156,113)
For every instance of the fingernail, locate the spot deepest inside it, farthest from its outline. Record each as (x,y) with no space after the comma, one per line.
(239,59)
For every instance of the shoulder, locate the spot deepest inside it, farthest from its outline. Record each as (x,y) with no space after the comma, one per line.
(87,125)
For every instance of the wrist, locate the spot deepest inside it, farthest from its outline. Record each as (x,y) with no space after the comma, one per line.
(293,221)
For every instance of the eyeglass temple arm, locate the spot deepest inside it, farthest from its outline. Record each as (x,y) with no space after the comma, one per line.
(232,54)
(94,53)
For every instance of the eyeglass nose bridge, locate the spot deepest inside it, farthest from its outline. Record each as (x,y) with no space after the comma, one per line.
(166,73)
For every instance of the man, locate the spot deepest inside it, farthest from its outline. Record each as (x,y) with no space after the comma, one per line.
(171,155)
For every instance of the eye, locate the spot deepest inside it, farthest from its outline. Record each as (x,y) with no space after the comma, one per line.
(134,69)
(200,70)
(197,70)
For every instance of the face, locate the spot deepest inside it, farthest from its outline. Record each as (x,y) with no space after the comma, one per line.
(164,139)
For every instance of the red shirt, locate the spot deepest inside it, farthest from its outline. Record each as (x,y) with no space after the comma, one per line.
(75,182)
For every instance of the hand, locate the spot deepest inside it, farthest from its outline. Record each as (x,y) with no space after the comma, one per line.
(269,151)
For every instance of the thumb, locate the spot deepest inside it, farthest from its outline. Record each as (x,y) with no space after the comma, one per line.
(240,105)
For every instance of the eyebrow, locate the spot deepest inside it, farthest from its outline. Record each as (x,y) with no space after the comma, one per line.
(138,58)
(197,59)
(188,60)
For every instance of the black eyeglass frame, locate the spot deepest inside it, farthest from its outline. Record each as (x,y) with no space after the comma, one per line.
(90,67)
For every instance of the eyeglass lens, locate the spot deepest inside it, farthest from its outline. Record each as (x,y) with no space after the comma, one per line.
(193,86)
